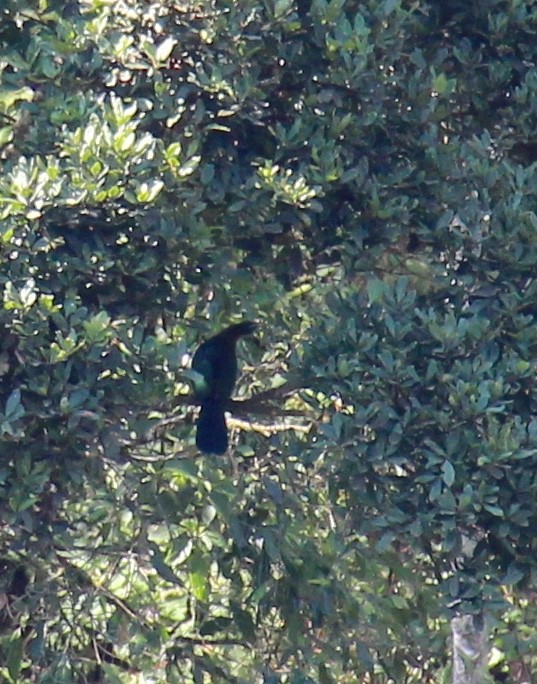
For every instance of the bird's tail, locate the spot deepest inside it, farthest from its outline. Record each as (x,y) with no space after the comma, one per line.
(211,434)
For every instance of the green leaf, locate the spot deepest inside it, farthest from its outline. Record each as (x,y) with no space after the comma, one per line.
(199,585)
(436,490)
(399,602)
(6,135)
(15,654)
(448,473)
(14,408)
(375,290)
(513,575)
(147,192)
(164,49)
(494,510)
(97,328)
(208,514)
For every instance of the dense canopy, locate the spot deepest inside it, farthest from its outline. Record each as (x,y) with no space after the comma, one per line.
(360,179)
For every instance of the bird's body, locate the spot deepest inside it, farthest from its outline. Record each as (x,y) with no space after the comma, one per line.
(216,362)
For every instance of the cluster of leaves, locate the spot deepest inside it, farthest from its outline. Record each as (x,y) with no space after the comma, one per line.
(358,176)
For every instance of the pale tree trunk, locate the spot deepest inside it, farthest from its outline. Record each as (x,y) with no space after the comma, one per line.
(470,650)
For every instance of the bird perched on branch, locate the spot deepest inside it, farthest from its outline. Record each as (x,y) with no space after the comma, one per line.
(216,362)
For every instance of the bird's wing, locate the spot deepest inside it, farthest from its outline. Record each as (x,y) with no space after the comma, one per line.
(204,364)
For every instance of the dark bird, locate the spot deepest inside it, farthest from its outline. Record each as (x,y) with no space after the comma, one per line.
(216,362)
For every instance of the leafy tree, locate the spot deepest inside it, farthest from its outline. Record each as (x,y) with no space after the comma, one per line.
(359,178)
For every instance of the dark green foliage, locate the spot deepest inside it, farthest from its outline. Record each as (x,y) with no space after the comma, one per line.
(361,177)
